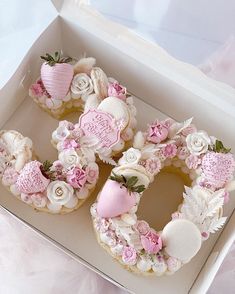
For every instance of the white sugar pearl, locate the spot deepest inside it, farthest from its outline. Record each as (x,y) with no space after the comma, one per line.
(185,169)
(177,163)
(72,202)
(83,193)
(144,265)
(14,190)
(167,162)
(182,239)
(130,219)
(192,175)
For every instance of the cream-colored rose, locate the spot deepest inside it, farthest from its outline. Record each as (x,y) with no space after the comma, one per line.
(131,156)
(82,86)
(198,142)
(59,192)
(69,158)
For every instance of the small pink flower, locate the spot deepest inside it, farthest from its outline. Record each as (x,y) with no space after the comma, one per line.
(183,152)
(39,200)
(189,130)
(226,197)
(102,225)
(169,151)
(151,242)
(76,177)
(37,90)
(173,264)
(117,90)
(10,176)
(77,132)
(66,124)
(26,198)
(192,161)
(176,215)
(70,144)
(157,132)
(57,166)
(129,255)
(142,227)
(153,165)
(92,172)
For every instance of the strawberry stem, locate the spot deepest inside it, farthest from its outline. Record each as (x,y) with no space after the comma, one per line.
(129,184)
(52,60)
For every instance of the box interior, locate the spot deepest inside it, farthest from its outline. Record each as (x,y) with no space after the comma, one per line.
(156,97)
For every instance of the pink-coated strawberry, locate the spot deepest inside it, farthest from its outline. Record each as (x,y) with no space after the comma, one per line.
(117,196)
(56,75)
(31,180)
(218,168)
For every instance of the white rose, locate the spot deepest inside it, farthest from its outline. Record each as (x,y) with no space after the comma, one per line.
(131,156)
(81,86)
(59,192)
(69,158)
(198,142)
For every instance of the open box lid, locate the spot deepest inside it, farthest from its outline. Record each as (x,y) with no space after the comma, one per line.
(131,43)
(36,17)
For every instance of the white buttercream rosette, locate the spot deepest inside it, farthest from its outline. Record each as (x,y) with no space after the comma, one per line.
(209,166)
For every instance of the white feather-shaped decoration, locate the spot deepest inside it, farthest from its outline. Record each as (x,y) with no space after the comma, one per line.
(107,159)
(148,151)
(92,102)
(177,128)
(216,224)
(139,140)
(201,207)
(215,203)
(84,65)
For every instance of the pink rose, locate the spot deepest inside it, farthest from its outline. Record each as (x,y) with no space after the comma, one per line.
(129,255)
(142,227)
(70,144)
(92,172)
(76,177)
(169,151)
(10,176)
(151,242)
(192,161)
(153,165)
(37,90)
(117,90)
(183,152)
(189,130)
(157,132)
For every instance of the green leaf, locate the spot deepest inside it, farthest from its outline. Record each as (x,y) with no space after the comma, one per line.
(131,182)
(138,189)
(219,147)
(46,166)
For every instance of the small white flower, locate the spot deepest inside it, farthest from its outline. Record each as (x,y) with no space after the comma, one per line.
(81,86)
(61,133)
(131,156)
(59,192)
(69,158)
(198,142)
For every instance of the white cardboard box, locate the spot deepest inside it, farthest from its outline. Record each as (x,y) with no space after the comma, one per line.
(164,86)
